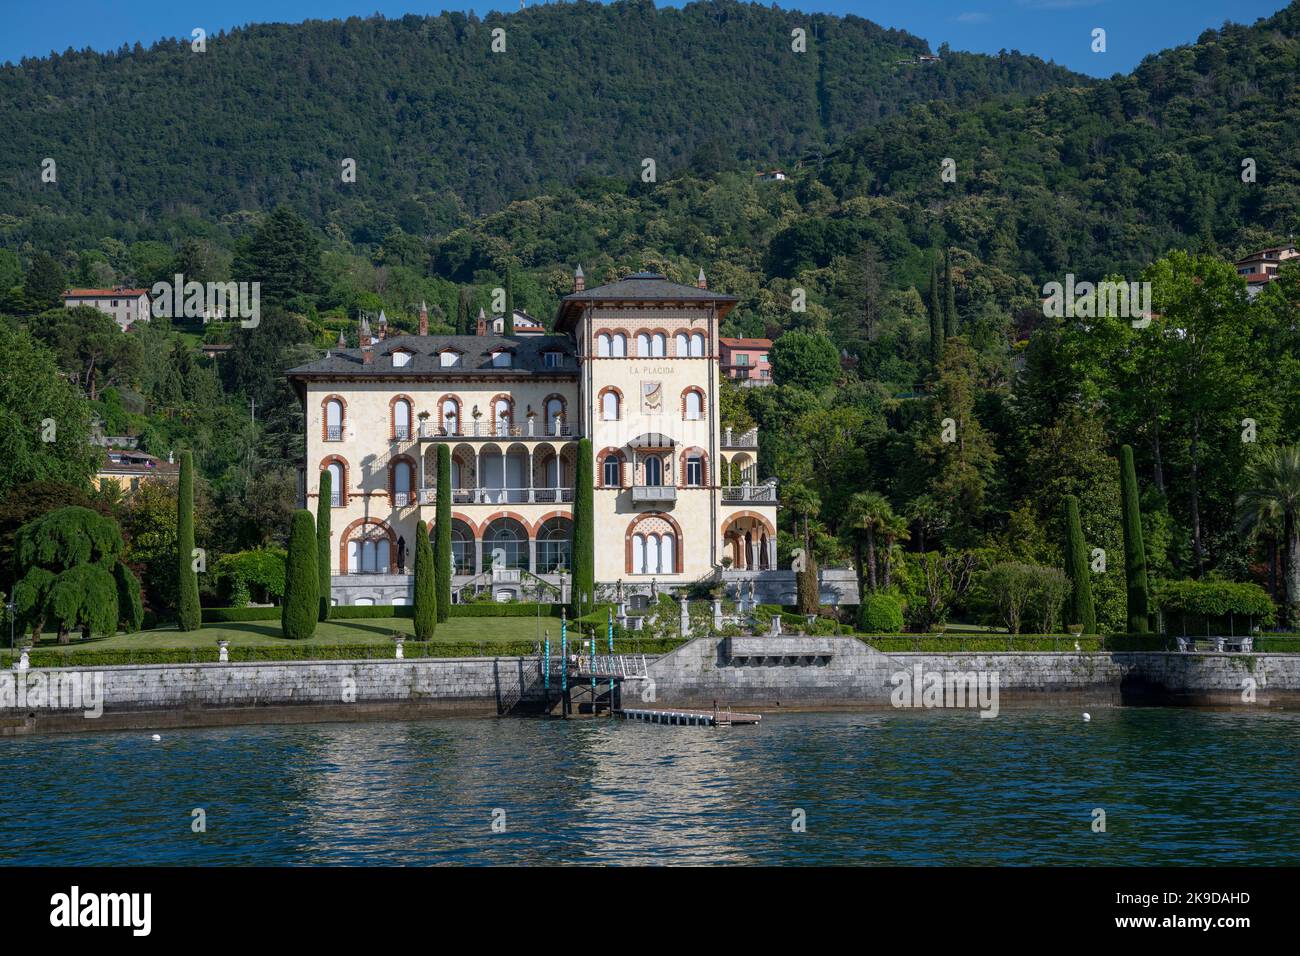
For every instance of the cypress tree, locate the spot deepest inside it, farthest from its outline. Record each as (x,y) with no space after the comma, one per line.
(1079,609)
(462,312)
(442,534)
(807,589)
(189,615)
(936,315)
(950,297)
(426,591)
(508,320)
(584,531)
(301,582)
(1135,558)
(323,501)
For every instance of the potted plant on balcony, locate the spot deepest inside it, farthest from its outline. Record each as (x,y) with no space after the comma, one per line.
(424,418)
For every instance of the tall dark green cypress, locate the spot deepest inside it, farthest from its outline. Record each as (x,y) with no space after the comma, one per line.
(1135,557)
(442,534)
(936,314)
(462,312)
(323,502)
(189,615)
(584,531)
(1079,609)
(301,582)
(508,320)
(949,296)
(426,589)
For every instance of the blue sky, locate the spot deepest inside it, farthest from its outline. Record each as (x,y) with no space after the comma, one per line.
(1053,29)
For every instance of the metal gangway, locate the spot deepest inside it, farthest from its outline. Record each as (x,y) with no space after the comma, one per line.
(605,667)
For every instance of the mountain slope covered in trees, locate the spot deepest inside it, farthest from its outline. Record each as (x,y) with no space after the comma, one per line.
(441,127)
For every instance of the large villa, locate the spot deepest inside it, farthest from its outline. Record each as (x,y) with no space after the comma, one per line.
(633,365)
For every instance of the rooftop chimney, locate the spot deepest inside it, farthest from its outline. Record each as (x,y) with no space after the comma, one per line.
(702,282)
(579,280)
(367,356)
(383,325)
(342,342)
(424,319)
(365,332)
(482,323)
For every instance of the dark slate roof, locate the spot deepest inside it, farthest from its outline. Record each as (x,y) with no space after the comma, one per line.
(476,360)
(640,287)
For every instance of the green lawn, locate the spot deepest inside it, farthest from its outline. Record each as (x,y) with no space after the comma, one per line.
(464,630)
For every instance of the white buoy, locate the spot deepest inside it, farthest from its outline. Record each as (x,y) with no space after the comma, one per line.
(1087,716)
(157,736)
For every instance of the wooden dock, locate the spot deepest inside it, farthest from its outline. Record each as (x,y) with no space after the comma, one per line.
(690,718)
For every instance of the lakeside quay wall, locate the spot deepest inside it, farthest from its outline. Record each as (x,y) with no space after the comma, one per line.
(765,673)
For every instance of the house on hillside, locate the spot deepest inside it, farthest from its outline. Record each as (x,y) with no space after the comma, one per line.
(124,306)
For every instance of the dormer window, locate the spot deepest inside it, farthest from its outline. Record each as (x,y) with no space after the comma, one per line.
(501,359)
(401,359)
(552,359)
(449,358)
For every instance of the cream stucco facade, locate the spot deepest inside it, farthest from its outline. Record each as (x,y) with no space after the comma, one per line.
(633,365)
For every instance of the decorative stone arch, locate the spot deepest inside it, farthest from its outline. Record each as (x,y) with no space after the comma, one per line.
(518,519)
(382,527)
(704,405)
(347,476)
(537,525)
(392,479)
(324,415)
(600,402)
(465,520)
(693,451)
(650,334)
(510,406)
(524,522)
(392,416)
(611,452)
(734,537)
(651,519)
(564,408)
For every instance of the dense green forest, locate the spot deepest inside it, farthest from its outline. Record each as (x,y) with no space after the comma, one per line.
(929,288)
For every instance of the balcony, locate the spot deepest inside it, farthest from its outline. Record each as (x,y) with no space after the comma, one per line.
(500,496)
(401,433)
(747,439)
(403,498)
(333,432)
(429,431)
(764,493)
(648,494)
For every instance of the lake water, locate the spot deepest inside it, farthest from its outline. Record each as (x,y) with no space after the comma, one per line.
(1178,786)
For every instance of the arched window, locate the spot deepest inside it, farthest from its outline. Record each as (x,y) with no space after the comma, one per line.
(401,418)
(653,543)
(642,345)
(336,484)
(368,550)
(638,554)
(502,415)
(697,345)
(618,347)
(612,472)
(692,406)
(658,343)
(462,550)
(333,420)
(681,344)
(609,406)
(506,544)
(554,545)
(450,416)
(695,470)
(602,345)
(554,415)
(402,482)
(654,471)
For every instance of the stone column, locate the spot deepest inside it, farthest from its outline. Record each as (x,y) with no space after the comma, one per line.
(532,554)
(478,556)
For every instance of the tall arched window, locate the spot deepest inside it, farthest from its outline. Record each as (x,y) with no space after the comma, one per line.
(554,545)
(638,554)
(654,471)
(692,406)
(506,541)
(618,347)
(336,484)
(502,416)
(402,420)
(697,345)
(368,550)
(612,472)
(681,344)
(609,406)
(334,420)
(554,415)
(462,549)
(450,417)
(602,345)
(653,546)
(658,343)
(402,482)
(642,345)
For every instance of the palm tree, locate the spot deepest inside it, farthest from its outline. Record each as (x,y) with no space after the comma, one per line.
(868,512)
(893,529)
(1271,495)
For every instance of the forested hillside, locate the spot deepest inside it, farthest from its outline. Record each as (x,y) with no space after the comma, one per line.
(443,128)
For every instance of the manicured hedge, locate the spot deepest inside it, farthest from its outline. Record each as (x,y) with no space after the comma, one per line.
(235,615)
(881,613)
(990,643)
